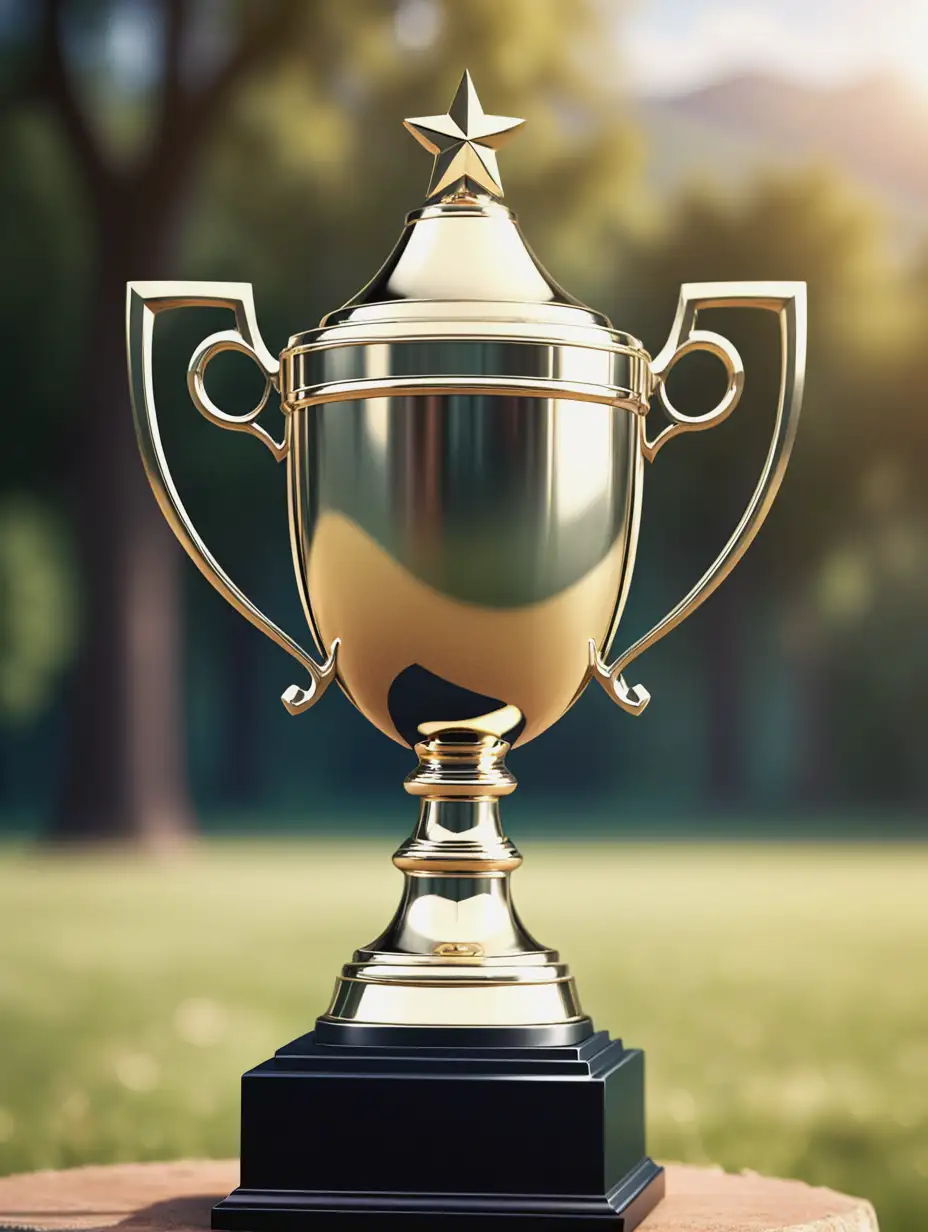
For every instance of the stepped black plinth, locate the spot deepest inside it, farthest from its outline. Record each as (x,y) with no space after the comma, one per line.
(467,1135)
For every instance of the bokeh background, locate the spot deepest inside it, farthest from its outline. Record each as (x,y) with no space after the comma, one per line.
(744,891)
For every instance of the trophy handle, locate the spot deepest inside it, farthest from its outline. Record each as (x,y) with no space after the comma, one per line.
(788,300)
(144,301)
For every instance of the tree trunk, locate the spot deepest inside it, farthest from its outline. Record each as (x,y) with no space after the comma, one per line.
(125,775)
(814,784)
(241,669)
(125,764)
(724,709)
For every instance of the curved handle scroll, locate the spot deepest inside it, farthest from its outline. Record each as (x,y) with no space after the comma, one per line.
(788,300)
(144,301)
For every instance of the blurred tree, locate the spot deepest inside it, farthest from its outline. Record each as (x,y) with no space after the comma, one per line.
(872,588)
(810,227)
(263,142)
(37,607)
(125,773)
(146,95)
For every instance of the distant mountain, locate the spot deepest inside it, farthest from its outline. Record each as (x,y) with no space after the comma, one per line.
(876,132)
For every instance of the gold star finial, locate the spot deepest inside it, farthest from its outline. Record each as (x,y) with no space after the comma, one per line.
(464,142)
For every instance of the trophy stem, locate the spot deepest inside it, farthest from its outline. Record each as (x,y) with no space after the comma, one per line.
(459,783)
(456,955)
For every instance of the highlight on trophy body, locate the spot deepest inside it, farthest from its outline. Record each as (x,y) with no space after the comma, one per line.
(465,448)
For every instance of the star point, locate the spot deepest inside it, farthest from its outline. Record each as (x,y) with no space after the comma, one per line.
(464,142)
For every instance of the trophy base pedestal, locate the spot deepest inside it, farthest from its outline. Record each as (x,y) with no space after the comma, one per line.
(489,1138)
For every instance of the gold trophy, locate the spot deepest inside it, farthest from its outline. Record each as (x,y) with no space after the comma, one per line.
(465,447)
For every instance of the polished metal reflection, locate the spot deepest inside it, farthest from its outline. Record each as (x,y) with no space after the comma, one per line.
(465,447)
(457,538)
(456,930)
(464,142)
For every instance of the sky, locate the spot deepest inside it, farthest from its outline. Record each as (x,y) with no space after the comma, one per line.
(671,46)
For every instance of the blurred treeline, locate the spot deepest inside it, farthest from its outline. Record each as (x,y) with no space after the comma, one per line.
(262,142)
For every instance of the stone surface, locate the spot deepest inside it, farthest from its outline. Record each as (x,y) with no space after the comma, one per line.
(178,1196)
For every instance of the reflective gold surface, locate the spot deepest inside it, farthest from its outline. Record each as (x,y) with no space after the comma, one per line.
(464,764)
(457,548)
(464,142)
(465,447)
(456,951)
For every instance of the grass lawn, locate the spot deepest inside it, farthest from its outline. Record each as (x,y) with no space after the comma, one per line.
(781,993)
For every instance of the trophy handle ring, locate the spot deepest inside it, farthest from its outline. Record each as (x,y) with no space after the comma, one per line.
(144,301)
(788,301)
(232,340)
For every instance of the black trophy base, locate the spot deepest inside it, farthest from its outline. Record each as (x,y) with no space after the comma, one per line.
(468,1137)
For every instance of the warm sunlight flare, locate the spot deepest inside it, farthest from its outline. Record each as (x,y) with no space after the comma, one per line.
(672,47)
(910,35)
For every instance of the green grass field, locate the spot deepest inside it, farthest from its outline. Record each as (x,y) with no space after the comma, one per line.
(781,993)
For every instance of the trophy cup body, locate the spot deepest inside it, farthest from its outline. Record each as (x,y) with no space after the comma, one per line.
(449,542)
(465,447)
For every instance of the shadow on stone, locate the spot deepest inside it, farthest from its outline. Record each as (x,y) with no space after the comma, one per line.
(175,1213)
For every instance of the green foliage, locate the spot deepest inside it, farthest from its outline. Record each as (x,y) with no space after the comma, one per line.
(45,275)
(867,311)
(846,548)
(46,271)
(810,227)
(773,988)
(38,608)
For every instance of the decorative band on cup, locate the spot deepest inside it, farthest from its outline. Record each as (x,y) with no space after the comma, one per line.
(490,366)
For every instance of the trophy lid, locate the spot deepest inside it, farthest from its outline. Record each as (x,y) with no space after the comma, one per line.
(461,272)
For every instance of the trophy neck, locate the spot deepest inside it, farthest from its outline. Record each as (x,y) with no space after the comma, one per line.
(460,776)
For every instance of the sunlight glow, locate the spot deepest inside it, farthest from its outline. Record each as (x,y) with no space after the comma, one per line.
(672,47)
